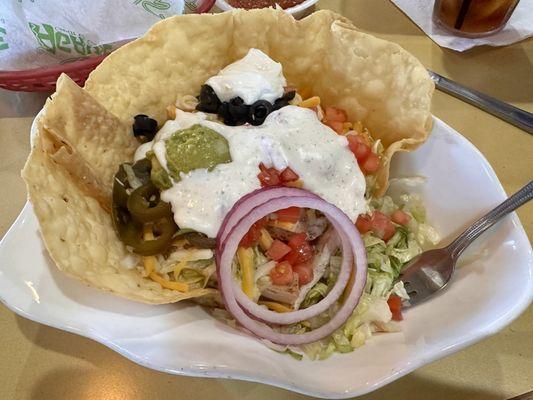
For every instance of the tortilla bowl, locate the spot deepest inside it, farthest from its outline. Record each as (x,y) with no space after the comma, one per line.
(85,134)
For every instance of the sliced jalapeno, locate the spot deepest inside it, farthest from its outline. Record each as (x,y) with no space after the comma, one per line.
(132,210)
(165,228)
(142,170)
(145,205)
(131,233)
(120,186)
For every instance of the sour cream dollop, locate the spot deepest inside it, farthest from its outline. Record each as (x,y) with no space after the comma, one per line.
(254,77)
(292,136)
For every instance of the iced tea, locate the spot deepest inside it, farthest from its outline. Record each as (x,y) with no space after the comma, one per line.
(473,17)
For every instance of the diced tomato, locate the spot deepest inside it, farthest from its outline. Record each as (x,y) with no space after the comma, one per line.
(337,126)
(288,175)
(355,140)
(382,226)
(297,240)
(368,161)
(370,165)
(278,250)
(364,223)
(305,273)
(395,305)
(291,214)
(269,177)
(358,147)
(335,114)
(291,257)
(262,223)
(252,236)
(272,177)
(400,217)
(281,274)
(304,252)
(262,167)
(378,223)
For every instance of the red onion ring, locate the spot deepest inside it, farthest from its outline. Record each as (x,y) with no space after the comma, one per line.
(248,202)
(231,233)
(265,315)
(244,206)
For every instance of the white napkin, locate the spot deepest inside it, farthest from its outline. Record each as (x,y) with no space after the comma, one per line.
(44,32)
(519,26)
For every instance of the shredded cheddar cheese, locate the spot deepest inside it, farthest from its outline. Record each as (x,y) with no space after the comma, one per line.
(288,226)
(310,102)
(179,266)
(265,240)
(346,126)
(149,265)
(171,112)
(151,270)
(274,306)
(246,262)
(179,286)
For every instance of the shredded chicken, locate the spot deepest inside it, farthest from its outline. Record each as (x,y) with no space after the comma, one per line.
(284,294)
(293,294)
(327,245)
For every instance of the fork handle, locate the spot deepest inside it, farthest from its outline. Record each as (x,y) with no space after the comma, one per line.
(481,225)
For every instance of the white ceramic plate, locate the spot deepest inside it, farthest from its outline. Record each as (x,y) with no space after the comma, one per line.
(488,292)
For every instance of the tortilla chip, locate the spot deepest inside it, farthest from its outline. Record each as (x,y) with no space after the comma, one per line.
(85,134)
(86,139)
(375,81)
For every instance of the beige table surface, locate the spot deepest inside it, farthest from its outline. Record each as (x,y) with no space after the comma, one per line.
(37,362)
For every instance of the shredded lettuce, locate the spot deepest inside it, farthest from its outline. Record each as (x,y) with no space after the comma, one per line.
(399,290)
(427,235)
(371,310)
(385,263)
(190,275)
(312,350)
(412,204)
(291,353)
(317,293)
(342,343)
(259,257)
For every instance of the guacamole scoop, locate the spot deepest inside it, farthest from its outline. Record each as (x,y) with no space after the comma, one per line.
(193,148)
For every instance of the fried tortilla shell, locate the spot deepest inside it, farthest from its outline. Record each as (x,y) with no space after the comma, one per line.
(65,183)
(86,133)
(375,81)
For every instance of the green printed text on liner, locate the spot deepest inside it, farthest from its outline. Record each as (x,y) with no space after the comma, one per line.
(153,6)
(52,39)
(3,44)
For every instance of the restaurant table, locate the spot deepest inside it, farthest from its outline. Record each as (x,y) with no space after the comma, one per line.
(38,362)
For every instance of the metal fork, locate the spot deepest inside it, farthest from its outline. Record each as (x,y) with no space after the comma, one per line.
(431,271)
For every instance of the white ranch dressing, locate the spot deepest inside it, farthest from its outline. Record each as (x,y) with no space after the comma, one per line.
(254,77)
(292,136)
